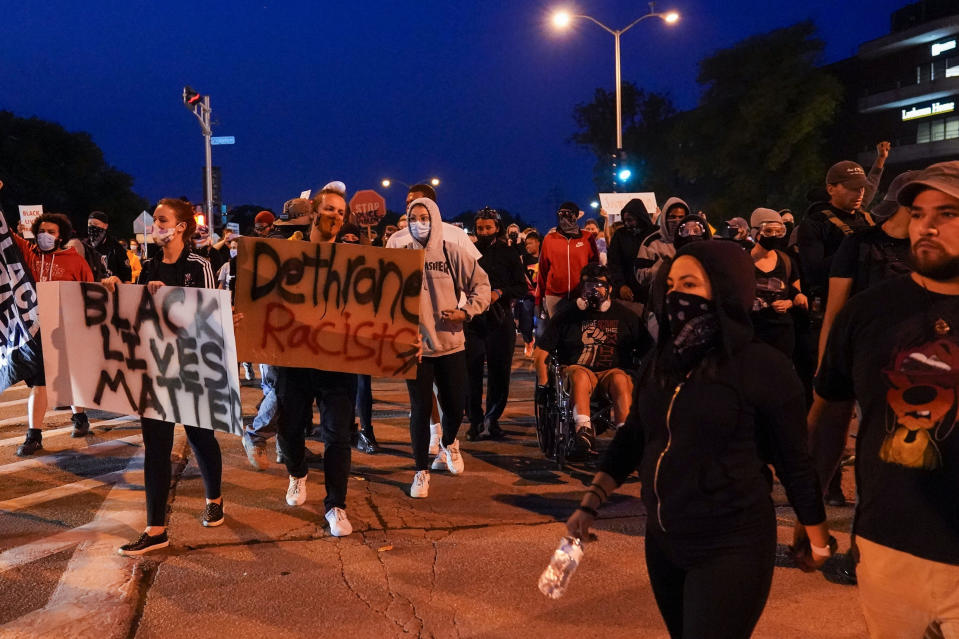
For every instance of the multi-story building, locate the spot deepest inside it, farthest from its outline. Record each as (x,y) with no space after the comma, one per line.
(904,87)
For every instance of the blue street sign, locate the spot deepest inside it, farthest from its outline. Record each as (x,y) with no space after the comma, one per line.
(223,139)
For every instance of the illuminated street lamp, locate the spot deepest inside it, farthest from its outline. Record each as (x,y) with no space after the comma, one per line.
(562,19)
(387,182)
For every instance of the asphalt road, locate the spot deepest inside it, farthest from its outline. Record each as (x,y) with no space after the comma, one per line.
(461,563)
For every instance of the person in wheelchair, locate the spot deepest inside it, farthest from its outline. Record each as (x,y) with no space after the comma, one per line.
(598,342)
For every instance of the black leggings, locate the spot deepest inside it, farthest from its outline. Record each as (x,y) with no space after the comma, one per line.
(716,591)
(157,445)
(448,372)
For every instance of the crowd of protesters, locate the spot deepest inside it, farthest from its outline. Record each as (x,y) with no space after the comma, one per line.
(721,354)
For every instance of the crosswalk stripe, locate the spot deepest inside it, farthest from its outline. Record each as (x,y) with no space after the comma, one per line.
(59,492)
(92,449)
(114,421)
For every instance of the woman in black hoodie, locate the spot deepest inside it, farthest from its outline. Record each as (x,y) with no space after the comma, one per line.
(713,410)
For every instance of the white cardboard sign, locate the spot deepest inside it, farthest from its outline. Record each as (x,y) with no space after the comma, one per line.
(169,356)
(28,215)
(613,203)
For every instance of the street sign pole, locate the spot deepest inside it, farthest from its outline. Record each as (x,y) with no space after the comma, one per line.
(207,134)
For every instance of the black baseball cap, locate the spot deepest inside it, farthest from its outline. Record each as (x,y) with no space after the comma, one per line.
(848,173)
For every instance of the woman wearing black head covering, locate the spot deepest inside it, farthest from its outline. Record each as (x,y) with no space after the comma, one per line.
(712,410)
(621,255)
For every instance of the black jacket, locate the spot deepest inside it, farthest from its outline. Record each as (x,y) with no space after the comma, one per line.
(621,260)
(107,258)
(818,237)
(506,274)
(702,444)
(190,270)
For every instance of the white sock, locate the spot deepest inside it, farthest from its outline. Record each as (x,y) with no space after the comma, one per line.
(582,421)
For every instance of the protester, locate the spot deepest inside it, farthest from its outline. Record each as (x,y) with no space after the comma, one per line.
(204,247)
(177,265)
(778,287)
(491,335)
(450,269)
(133,256)
(49,261)
(388,233)
(264,225)
(599,342)
(710,413)
(894,350)
(592,226)
(562,256)
(524,308)
(692,228)
(226,277)
(103,253)
(334,393)
(658,246)
(623,249)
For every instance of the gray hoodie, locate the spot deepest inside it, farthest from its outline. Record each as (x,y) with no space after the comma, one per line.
(446,263)
(657,247)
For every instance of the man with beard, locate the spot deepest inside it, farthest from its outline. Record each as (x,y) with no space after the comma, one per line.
(491,336)
(622,252)
(894,349)
(562,256)
(104,254)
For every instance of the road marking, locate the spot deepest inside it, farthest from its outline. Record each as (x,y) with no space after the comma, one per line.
(23,418)
(114,421)
(59,492)
(46,460)
(14,402)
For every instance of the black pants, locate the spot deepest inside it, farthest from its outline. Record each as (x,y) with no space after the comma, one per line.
(712,589)
(364,403)
(524,310)
(491,343)
(296,390)
(448,372)
(157,446)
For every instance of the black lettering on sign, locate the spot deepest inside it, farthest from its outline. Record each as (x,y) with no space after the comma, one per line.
(114,384)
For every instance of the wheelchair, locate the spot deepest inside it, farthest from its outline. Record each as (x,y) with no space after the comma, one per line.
(555,425)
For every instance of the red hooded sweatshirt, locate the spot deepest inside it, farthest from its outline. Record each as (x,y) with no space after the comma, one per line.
(561,259)
(65,265)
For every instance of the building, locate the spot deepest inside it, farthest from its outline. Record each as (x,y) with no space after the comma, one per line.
(904,87)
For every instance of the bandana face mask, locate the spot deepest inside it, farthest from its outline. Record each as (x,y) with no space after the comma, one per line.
(566,222)
(693,324)
(96,234)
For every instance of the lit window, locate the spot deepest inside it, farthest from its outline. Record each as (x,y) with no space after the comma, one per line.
(952,128)
(918,74)
(938,130)
(952,67)
(922,134)
(932,71)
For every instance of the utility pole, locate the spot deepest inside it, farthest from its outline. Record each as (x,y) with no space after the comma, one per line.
(200,106)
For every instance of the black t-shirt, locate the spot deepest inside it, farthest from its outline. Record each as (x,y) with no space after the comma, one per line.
(595,339)
(895,349)
(774,286)
(870,257)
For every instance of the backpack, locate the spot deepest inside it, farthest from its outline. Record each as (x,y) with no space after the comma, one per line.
(843,226)
(878,262)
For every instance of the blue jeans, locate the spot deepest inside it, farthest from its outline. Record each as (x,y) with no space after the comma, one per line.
(264,424)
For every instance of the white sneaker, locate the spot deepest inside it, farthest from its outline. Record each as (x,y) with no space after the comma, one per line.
(340,526)
(436,434)
(296,493)
(439,462)
(421,484)
(454,461)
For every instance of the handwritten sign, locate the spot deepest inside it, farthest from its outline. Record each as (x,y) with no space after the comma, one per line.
(19,320)
(169,355)
(335,307)
(613,203)
(367,207)
(28,215)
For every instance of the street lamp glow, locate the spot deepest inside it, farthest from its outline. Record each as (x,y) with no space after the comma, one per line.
(435,181)
(561,19)
(386,184)
(594,204)
(671,18)
(625,174)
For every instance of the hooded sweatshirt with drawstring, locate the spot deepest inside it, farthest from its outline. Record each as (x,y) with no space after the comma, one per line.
(64,265)
(655,248)
(448,269)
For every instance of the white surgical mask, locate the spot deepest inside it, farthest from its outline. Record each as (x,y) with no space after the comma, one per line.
(162,236)
(46,241)
(420,230)
(233,253)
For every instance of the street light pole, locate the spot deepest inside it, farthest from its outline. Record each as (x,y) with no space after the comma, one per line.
(200,106)
(561,19)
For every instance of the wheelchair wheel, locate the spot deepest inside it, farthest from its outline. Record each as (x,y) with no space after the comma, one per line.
(545,428)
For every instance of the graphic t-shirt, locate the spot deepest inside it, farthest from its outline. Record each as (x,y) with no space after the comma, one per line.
(595,339)
(531,268)
(895,348)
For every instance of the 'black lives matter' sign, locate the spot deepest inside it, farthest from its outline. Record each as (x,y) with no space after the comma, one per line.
(19,352)
(169,355)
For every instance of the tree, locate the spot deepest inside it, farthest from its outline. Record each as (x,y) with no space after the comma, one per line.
(43,163)
(244,214)
(757,137)
(645,127)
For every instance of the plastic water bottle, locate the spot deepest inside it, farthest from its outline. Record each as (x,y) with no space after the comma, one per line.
(555,578)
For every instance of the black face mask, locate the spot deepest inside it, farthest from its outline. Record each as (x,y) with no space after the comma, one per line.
(566,223)
(771,243)
(485,241)
(514,235)
(693,324)
(789,228)
(96,234)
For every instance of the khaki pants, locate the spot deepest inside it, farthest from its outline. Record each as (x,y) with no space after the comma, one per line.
(902,595)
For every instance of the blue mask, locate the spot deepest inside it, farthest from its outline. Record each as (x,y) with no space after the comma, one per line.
(420,231)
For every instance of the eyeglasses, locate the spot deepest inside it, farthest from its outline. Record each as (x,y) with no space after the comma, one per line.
(691,229)
(260,227)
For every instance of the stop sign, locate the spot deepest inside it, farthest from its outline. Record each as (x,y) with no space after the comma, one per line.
(367,207)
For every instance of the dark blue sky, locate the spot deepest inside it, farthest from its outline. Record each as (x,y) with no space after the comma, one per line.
(479,93)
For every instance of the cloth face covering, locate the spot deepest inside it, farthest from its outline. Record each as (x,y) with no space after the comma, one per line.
(96,234)
(771,243)
(694,325)
(162,236)
(420,231)
(46,242)
(233,253)
(566,222)
(484,241)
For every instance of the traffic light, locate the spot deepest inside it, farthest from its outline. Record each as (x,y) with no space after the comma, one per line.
(622,169)
(191,98)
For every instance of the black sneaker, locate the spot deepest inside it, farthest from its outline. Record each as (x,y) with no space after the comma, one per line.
(81,425)
(473,433)
(145,543)
(491,429)
(367,444)
(212,515)
(582,444)
(29,446)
